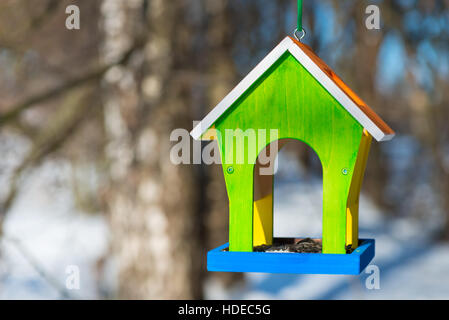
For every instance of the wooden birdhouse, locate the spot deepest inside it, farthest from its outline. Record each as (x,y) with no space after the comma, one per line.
(294,93)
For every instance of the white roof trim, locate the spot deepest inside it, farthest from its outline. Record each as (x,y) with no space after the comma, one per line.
(317,73)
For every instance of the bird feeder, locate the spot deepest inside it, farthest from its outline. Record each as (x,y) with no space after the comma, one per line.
(295,94)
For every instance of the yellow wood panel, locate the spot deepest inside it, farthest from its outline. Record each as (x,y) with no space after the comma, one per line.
(210,134)
(352,210)
(263,221)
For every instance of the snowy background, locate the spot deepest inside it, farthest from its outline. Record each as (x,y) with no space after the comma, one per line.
(45,234)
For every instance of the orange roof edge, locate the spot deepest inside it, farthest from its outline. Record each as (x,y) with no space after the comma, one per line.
(345,88)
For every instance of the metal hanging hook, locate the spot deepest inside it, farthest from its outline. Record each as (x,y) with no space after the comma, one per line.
(297,36)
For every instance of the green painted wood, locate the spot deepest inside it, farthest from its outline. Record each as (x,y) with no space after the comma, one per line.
(289,99)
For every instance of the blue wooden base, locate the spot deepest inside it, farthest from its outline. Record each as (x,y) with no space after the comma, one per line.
(301,263)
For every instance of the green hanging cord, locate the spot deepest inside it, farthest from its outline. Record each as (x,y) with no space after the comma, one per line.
(299,28)
(300,15)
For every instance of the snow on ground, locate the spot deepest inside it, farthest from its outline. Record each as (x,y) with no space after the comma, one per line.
(411,266)
(44,235)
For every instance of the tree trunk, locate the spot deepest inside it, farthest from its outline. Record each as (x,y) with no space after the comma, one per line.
(153,205)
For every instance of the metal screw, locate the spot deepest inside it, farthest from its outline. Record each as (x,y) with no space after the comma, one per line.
(345,171)
(230,170)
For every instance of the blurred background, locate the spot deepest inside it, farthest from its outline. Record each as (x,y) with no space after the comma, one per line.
(88,191)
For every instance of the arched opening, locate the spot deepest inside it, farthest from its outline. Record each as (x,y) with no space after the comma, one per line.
(298,192)
(288,203)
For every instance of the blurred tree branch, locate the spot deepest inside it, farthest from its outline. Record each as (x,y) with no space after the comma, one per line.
(17,109)
(37,266)
(60,126)
(50,8)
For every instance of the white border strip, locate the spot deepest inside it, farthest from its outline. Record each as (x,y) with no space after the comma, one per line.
(264,65)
